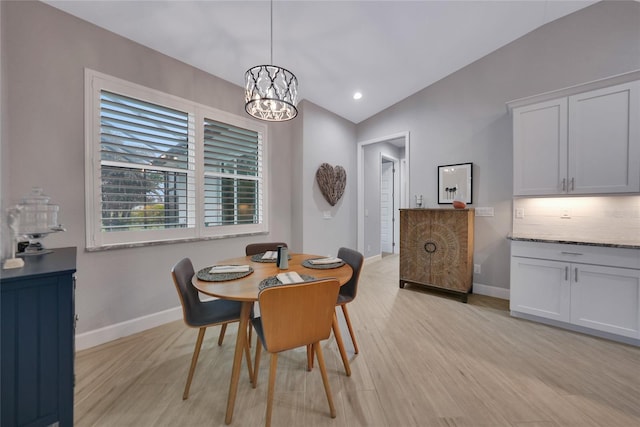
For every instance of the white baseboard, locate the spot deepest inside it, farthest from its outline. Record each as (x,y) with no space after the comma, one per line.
(119,330)
(491,291)
(372,259)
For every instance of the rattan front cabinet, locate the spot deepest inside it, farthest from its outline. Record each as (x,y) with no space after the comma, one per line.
(436,249)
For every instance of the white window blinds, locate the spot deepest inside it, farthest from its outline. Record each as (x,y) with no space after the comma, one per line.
(233,175)
(144,152)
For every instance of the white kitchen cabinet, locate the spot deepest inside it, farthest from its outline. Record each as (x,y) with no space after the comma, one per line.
(540,148)
(584,143)
(540,287)
(606,299)
(586,288)
(604,140)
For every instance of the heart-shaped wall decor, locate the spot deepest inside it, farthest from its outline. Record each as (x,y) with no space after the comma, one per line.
(332,182)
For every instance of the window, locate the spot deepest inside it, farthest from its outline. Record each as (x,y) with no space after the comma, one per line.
(161,168)
(232,167)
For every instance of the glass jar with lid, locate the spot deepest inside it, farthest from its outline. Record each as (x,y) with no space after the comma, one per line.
(37,217)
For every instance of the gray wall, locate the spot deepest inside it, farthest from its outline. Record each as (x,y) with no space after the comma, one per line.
(44,53)
(327,138)
(463,118)
(5,239)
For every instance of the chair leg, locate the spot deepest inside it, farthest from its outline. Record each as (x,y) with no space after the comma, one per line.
(348,320)
(325,380)
(223,329)
(247,353)
(272,386)
(343,352)
(309,357)
(194,361)
(257,363)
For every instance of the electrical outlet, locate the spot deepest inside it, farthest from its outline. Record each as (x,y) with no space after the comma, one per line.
(484,211)
(520,213)
(477,269)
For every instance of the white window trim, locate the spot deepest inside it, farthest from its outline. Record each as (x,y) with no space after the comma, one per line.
(97,240)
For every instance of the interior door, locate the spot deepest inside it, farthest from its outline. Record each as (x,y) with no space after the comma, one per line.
(386,207)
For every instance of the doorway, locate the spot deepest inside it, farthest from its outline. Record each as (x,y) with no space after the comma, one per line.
(378,225)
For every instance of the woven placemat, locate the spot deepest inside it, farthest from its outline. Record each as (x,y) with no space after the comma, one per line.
(307,264)
(204,274)
(258,258)
(273,281)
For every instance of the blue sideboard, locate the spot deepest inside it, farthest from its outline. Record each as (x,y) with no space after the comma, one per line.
(37,341)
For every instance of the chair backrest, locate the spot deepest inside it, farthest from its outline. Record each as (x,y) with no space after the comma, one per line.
(355,259)
(258,248)
(182,274)
(298,314)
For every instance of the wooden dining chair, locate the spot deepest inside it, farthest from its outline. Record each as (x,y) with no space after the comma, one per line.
(349,290)
(293,316)
(201,315)
(259,248)
(348,293)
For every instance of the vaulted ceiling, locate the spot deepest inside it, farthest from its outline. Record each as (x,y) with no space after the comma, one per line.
(387,50)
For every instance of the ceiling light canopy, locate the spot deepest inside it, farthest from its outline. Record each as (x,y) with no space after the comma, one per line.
(271,92)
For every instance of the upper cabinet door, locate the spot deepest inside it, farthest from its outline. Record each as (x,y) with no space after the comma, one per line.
(540,148)
(604,140)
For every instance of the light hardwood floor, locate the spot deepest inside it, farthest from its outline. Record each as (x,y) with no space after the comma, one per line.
(425,360)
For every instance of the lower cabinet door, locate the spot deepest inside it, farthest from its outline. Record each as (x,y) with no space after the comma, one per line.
(540,288)
(606,299)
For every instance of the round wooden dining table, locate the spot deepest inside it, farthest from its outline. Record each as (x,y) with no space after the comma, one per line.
(246,289)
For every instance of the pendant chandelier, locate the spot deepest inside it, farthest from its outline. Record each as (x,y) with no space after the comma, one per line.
(271,92)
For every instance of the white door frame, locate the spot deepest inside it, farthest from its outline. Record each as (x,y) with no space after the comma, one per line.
(360,171)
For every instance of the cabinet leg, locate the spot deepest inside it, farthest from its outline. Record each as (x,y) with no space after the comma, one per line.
(401,284)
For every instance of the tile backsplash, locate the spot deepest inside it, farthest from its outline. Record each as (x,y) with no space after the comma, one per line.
(610,219)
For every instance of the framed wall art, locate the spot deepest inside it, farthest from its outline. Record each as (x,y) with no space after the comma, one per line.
(454,183)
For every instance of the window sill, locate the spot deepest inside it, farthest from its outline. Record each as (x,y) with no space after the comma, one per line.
(169,242)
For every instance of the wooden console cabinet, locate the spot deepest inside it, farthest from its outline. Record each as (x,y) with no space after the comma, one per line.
(436,249)
(38,324)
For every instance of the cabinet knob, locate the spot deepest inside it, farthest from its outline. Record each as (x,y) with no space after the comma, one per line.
(430,247)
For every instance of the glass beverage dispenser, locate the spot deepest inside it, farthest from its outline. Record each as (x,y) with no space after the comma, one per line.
(36,218)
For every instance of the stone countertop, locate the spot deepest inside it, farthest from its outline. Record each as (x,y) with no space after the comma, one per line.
(572,241)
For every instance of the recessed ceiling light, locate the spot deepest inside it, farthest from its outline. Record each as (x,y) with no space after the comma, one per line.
(357,95)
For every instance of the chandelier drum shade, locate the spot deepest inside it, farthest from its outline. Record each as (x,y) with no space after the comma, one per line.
(271,93)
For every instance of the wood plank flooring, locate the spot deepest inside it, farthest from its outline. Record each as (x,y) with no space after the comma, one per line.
(425,360)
